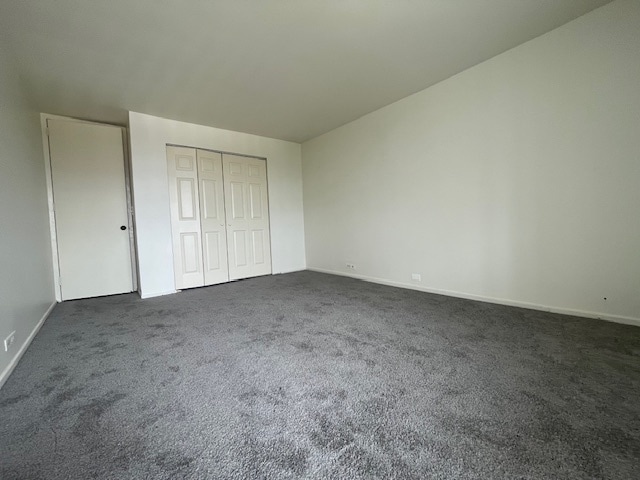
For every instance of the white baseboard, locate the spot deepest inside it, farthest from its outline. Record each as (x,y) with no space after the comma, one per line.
(289,271)
(170,292)
(157,294)
(14,361)
(500,301)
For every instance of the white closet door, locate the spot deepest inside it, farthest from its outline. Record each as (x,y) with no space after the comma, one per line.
(212,217)
(185,217)
(247,209)
(87,171)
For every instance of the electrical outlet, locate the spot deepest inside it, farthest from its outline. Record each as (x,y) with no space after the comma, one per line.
(9,340)
(416,277)
(351,266)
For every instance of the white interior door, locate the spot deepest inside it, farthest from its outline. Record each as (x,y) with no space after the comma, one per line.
(90,197)
(185,217)
(212,217)
(247,209)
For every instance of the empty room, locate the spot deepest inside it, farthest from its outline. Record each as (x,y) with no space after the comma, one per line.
(342,239)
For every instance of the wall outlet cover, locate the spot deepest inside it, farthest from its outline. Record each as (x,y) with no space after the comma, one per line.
(416,276)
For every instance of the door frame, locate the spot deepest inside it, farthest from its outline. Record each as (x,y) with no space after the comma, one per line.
(223,152)
(51,206)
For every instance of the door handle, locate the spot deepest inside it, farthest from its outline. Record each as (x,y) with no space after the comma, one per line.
(123,227)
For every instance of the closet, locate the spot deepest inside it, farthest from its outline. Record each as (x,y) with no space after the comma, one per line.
(219,216)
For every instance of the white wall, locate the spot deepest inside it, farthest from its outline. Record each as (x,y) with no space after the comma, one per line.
(26,278)
(516,181)
(149,136)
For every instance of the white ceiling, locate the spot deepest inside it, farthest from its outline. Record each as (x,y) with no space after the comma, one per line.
(288,69)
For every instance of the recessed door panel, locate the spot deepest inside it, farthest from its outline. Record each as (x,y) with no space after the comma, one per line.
(190,248)
(257,244)
(209,199)
(240,248)
(186,199)
(207,164)
(235,169)
(91,212)
(237,200)
(254,171)
(185,162)
(213,252)
(255,200)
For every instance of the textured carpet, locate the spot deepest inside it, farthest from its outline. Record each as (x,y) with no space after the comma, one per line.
(308,375)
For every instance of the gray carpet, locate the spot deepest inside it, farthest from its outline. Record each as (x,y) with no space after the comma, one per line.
(308,375)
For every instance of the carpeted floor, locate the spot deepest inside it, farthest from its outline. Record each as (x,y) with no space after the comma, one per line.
(307,375)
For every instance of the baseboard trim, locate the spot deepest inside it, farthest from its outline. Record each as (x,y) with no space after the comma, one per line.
(289,271)
(157,294)
(14,361)
(480,298)
(171,292)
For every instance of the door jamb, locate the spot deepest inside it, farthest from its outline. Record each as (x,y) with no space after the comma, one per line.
(51,205)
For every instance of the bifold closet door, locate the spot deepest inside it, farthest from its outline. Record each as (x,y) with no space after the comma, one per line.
(185,217)
(219,217)
(197,217)
(212,217)
(247,212)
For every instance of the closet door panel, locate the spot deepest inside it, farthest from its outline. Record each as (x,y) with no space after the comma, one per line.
(246,204)
(214,237)
(185,217)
